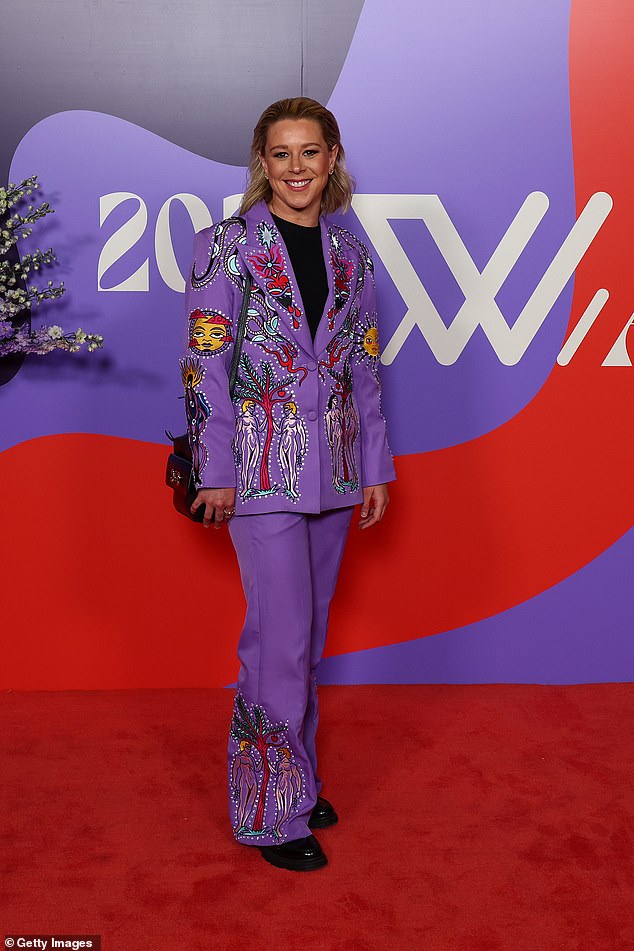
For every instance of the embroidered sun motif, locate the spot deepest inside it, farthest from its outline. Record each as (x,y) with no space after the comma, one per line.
(209,332)
(366,341)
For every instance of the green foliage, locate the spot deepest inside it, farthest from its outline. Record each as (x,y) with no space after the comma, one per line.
(258,387)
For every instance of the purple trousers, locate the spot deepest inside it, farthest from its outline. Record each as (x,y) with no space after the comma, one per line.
(289,565)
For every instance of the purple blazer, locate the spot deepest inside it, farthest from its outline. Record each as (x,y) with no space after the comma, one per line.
(304,431)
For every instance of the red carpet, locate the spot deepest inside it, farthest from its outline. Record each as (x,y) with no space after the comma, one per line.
(479,818)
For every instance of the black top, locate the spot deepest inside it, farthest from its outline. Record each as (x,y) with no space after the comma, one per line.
(307,259)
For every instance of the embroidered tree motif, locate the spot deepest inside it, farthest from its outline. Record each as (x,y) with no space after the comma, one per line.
(256,728)
(266,391)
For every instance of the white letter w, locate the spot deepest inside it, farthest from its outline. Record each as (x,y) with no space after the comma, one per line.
(479,288)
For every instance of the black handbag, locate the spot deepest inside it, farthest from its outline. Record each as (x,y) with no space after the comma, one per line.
(179,475)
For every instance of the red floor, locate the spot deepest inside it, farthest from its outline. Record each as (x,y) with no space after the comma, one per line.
(479,818)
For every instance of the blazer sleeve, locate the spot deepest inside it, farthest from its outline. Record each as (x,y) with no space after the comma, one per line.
(212,302)
(377,463)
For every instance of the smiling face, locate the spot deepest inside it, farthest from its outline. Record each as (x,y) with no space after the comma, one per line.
(296,161)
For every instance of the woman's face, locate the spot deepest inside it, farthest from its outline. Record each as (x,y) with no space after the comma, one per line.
(206,335)
(297,162)
(371,341)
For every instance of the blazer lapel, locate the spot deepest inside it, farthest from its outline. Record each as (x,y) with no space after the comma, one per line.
(268,260)
(344,272)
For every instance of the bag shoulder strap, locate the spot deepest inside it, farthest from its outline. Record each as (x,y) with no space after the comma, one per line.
(242,322)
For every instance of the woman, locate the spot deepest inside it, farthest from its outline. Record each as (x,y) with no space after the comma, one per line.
(288,454)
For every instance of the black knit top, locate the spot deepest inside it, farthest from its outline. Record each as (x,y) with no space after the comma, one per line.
(307,260)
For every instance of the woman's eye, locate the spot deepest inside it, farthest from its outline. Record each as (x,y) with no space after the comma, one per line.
(280,154)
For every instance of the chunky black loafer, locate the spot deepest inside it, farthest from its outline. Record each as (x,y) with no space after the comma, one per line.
(323,815)
(299,855)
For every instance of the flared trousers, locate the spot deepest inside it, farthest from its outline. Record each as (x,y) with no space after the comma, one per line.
(289,565)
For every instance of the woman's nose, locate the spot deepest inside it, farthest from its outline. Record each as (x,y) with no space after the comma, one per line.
(296,163)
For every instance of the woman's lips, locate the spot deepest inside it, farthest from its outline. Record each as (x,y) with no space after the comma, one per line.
(299,185)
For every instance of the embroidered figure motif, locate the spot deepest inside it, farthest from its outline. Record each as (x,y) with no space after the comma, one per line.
(288,787)
(291,447)
(246,447)
(251,770)
(350,433)
(209,332)
(262,387)
(270,265)
(342,429)
(334,434)
(197,412)
(244,783)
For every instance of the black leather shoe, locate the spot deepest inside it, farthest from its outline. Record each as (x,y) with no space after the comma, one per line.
(323,815)
(299,855)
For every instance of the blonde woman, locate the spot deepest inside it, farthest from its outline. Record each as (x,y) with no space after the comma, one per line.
(312,284)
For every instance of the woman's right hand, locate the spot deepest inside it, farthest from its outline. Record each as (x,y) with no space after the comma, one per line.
(219,505)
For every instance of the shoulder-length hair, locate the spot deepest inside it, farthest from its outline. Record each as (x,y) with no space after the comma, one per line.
(338,191)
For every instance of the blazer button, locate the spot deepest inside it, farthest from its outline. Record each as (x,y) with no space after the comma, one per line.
(311,365)
(312,415)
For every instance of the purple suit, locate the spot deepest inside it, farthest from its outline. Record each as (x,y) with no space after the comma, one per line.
(302,436)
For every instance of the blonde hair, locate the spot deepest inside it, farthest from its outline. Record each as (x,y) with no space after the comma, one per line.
(338,191)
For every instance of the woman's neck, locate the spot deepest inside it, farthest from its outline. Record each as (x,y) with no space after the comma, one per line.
(305,221)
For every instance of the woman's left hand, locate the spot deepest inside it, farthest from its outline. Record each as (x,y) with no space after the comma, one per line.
(375,500)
